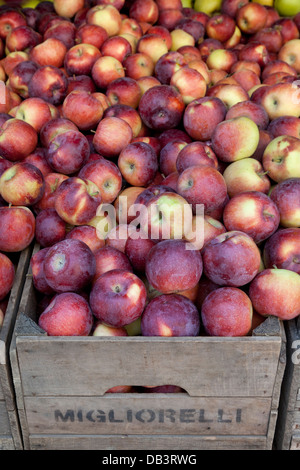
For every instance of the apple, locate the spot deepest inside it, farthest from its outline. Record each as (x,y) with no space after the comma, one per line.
(22,38)
(170,315)
(102,329)
(171,267)
(220,27)
(49,83)
(152,45)
(190,84)
(129,114)
(163,215)
(161,107)
(196,153)
(230,7)
(131,26)
(227,311)
(229,93)
(170,17)
(276,292)
(246,175)
(51,51)
(38,275)
(209,227)
(20,77)
(252,212)
(80,59)
(109,258)
(254,51)
(49,228)
(34,111)
(193,27)
(202,185)
(138,163)
(222,59)
(63,30)
(248,65)
(116,46)
(281,158)
(22,184)
(285,194)
(52,181)
(282,99)
(289,53)
(111,136)
(281,250)
(118,297)
(53,128)
(251,17)
(17,227)
(167,65)
(137,247)
(144,11)
(172,135)
(231,259)
(7,275)
(271,37)
(287,8)
(77,200)
(201,116)
(138,65)
(91,110)
(124,90)
(88,235)
(252,110)
(18,139)
(208,8)
(90,34)
(9,20)
(118,236)
(68,314)
(235,139)
(285,125)
(277,66)
(168,156)
(68,8)
(107,16)
(68,151)
(69,266)
(81,83)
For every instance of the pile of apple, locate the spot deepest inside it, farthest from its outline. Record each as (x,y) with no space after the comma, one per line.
(113,103)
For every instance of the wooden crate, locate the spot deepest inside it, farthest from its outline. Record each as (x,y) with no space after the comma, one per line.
(10,432)
(287,436)
(232,388)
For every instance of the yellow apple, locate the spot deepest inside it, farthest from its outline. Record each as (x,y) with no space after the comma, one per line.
(287,7)
(266,3)
(187,3)
(209,8)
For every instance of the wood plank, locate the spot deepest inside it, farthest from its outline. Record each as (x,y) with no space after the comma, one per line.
(203,367)
(160,442)
(140,413)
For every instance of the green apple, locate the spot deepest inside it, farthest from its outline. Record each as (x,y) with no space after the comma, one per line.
(287,7)
(209,8)
(187,3)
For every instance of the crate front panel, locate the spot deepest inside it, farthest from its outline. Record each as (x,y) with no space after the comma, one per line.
(206,367)
(148,414)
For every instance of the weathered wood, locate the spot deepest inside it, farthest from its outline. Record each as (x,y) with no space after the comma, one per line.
(7,393)
(232,388)
(288,426)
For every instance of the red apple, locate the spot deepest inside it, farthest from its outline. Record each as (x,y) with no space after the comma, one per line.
(282,99)
(220,27)
(90,34)
(22,38)
(68,152)
(276,292)
(256,52)
(231,259)
(49,228)
(196,153)
(68,314)
(64,31)
(153,45)
(91,110)
(111,136)
(52,182)
(167,65)
(285,125)
(20,77)
(69,266)
(88,235)
(168,156)
(129,114)
(286,197)
(49,83)
(281,158)
(18,139)
(10,19)
(144,11)
(124,201)
(124,90)
(137,247)
(109,258)
(282,250)
(116,46)
(51,51)
(7,275)
(229,93)
(202,116)
(38,275)
(171,267)
(251,17)
(81,83)
(138,65)
(22,184)
(190,84)
(252,110)
(77,200)
(54,127)
(138,163)
(80,59)
(107,177)
(68,8)
(34,111)
(105,70)
(17,227)
(118,297)
(118,236)
(170,315)
(202,185)
(252,212)
(161,107)
(227,311)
